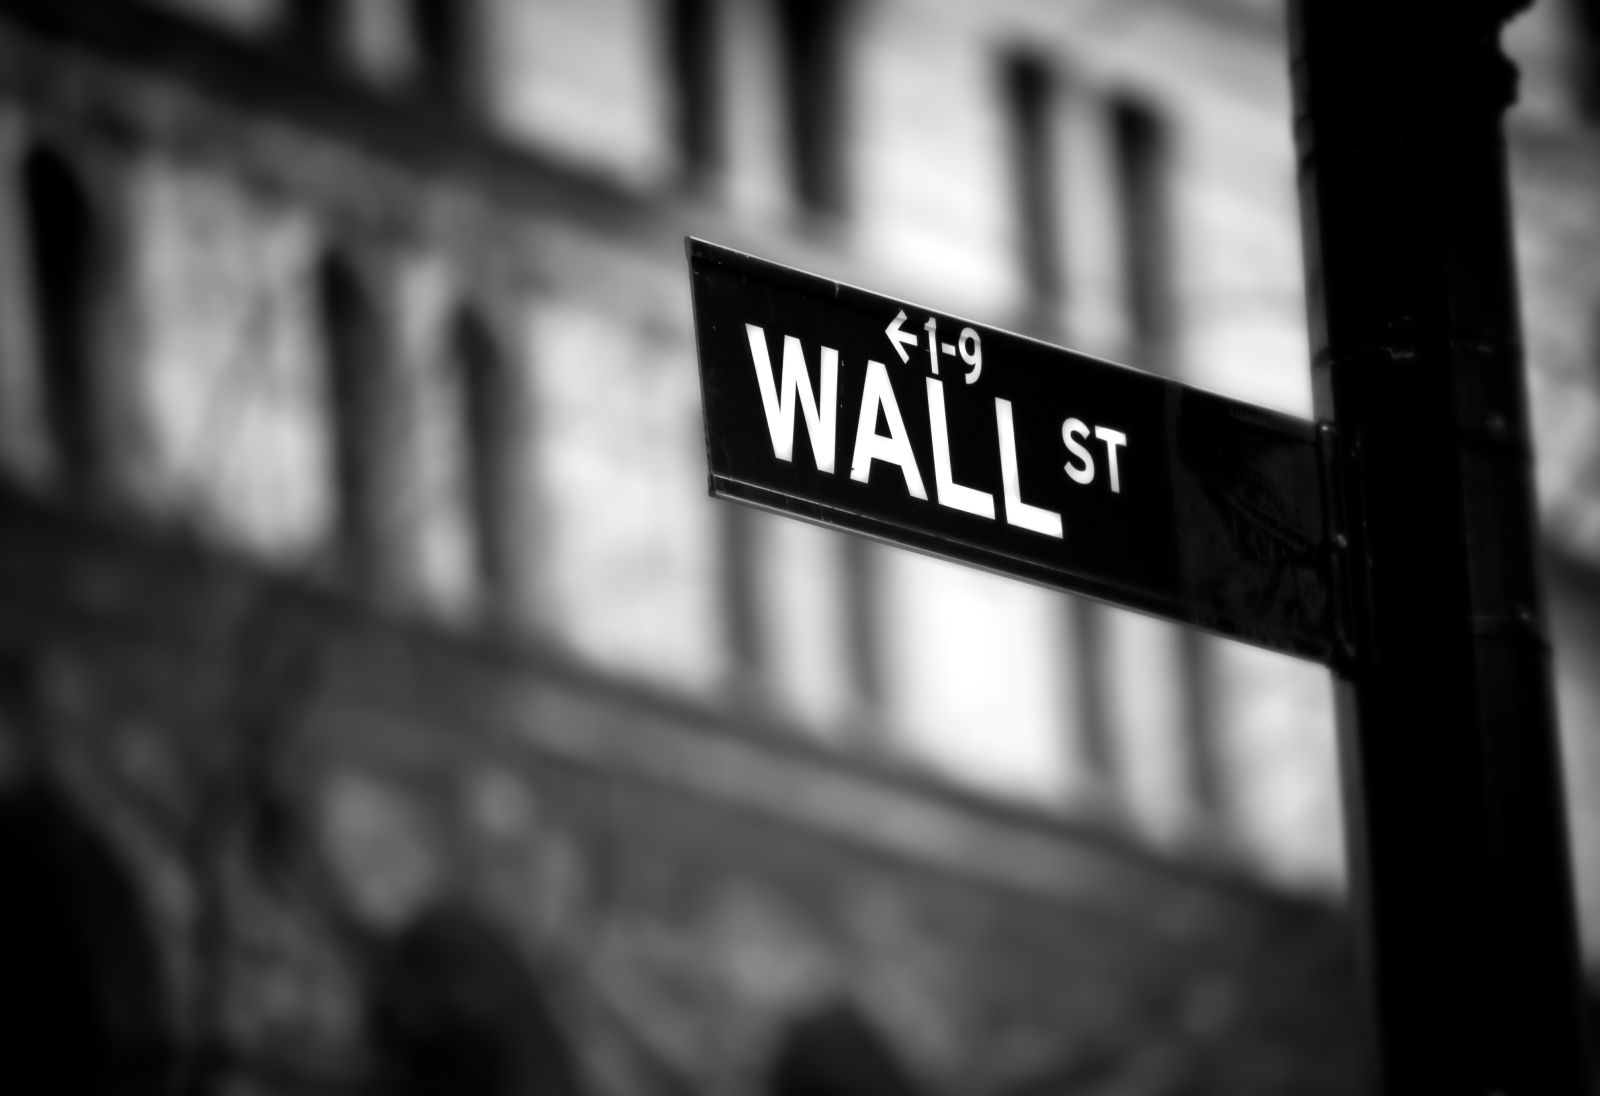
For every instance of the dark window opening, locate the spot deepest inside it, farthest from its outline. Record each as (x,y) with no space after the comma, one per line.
(312,28)
(835,1051)
(1591,1009)
(441,46)
(863,620)
(741,597)
(1089,631)
(811,71)
(1141,152)
(1207,771)
(1587,16)
(696,86)
(1029,92)
(65,255)
(485,405)
(350,343)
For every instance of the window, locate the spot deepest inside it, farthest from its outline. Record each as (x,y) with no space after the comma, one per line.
(1139,143)
(312,28)
(1142,166)
(1088,625)
(1028,94)
(811,40)
(862,619)
(693,70)
(741,597)
(485,402)
(442,49)
(64,255)
(351,358)
(1586,14)
(1207,776)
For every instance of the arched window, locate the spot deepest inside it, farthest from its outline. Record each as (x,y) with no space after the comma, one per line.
(83,1001)
(455,1011)
(64,261)
(836,1051)
(486,401)
(351,360)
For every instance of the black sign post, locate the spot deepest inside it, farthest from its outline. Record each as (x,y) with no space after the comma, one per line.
(1458,836)
(874,415)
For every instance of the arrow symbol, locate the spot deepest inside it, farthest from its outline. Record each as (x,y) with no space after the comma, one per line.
(900,339)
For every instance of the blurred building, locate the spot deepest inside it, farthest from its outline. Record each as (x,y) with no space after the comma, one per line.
(384,707)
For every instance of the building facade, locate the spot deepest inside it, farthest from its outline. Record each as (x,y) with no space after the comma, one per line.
(384,707)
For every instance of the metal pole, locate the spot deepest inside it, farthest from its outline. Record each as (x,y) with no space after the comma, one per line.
(1457,833)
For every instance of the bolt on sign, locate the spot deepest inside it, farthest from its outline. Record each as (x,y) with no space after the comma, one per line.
(860,412)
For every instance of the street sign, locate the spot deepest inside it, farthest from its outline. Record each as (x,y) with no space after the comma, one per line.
(856,411)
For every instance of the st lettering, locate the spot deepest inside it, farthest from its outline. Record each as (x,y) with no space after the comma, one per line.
(1080,465)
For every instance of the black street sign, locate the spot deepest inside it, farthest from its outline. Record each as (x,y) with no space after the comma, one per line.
(857,411)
